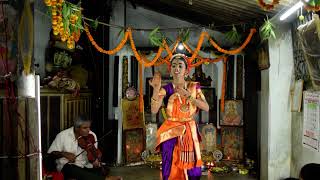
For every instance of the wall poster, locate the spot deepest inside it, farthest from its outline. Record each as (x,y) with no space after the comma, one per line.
(311,120)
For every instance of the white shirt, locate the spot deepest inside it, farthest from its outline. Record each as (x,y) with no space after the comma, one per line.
(66,141)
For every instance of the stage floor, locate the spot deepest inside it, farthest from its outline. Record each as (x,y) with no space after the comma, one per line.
(145,173)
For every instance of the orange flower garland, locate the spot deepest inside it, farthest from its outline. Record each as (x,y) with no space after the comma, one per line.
(137,55)
(235,51)
(141,103)
(110,52)
(196,51)
(223,86)
(157,60)
(311,8)
(220,58)
(58,24)
(160,62)
(128,34)
(167,49)
(266,6)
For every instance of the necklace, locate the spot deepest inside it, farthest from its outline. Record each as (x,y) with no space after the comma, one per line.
(184,107)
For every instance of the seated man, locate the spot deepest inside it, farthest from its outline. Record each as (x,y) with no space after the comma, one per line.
(70,158)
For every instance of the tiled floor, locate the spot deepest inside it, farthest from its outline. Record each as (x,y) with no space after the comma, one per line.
(146,173)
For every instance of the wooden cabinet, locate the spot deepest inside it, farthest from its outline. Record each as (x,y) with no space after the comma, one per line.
(58,111)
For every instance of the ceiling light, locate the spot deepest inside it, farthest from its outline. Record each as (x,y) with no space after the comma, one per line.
(291,10)
(180,47)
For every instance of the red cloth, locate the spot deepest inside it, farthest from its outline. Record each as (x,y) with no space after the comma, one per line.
(55,174)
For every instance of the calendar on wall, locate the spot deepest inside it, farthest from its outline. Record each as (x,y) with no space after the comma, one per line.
(311,120)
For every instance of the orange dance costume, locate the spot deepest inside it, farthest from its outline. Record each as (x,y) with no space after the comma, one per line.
(178,137)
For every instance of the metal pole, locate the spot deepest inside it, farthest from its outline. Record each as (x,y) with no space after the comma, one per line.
(37,95)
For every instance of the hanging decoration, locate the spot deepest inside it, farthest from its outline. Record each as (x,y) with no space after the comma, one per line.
(66,20)
(155,37)
(266,6)
(184,35)
(157,60)
(267,30)
(312,5)
(128,34)
(109,52)
(233,35)
(25,37)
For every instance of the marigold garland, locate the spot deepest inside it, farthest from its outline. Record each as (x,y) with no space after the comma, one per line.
(141,103)
(138,57)
(314,8)
(160,62)
(223,86)
(266,6)
(235,51)
(128,34)
(203,60)
(143,61)
(191,52)
(110,52)
(66,21)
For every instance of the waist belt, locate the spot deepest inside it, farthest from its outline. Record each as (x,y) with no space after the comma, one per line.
(180,119)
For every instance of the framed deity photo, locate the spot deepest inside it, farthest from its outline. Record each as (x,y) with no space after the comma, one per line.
(232,142)
(233,113)
(209,136)
(134,143)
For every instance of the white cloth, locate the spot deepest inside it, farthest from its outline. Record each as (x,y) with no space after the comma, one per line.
(66,141)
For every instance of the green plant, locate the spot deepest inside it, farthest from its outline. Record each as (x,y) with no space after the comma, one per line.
(94,24)
(72,17)
(121,33)
(156,38)
(184,35)
(267,30)
(233,35)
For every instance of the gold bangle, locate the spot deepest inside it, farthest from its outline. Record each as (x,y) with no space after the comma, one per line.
(153,99)
(192,99)
(154,102)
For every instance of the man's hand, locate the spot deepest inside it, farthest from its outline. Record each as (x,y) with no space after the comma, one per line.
(70,156)
(96,164)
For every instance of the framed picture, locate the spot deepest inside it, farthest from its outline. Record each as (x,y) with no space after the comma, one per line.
(232,143)
(296,96)
(233,113)
(131,116)
(208,136)
(134,144)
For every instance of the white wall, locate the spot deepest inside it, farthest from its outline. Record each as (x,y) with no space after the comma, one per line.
(277,130)
(300,154)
